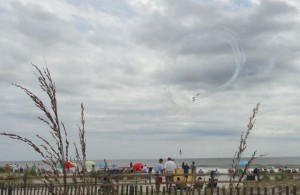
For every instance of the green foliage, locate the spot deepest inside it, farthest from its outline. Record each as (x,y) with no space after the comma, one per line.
(265,176)
(93,173)
(31,172)
(283,176)
(3,170)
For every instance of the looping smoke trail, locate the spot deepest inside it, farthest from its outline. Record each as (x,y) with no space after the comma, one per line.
(239,58)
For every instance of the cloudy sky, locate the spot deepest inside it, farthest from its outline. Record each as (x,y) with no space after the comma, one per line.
(136,66)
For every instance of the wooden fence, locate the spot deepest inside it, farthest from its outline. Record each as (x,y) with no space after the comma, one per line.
(142,184)
(41,189)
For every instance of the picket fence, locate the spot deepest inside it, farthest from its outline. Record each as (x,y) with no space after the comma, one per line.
(139,189)
(141,186)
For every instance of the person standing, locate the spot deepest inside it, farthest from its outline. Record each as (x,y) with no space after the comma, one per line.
(158,169)
(193,167)
(186,169)
(170,170)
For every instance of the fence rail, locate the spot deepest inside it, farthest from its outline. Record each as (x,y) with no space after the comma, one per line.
(142,184)
(42,189)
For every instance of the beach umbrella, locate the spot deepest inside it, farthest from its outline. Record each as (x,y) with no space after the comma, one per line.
(272,169)
(89,162)
(242,163)
(58,166)
(69,164)
(100,164)
(137,166)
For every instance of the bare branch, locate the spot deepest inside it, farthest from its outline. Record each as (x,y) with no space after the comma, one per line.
(242,147)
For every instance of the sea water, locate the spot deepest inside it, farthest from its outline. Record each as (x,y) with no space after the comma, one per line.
(222,164)
(206,164)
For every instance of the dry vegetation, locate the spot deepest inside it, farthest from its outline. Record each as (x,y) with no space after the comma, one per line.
(56,150)
(241,148)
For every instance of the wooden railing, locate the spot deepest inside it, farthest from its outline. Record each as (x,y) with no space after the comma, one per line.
(144,184)
(129,189)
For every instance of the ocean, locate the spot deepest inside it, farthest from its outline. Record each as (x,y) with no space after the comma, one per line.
(206,164)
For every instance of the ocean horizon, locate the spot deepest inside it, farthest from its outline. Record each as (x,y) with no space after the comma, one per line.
(204,163)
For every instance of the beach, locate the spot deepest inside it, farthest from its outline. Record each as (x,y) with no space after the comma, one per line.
(206,164)
(120,174)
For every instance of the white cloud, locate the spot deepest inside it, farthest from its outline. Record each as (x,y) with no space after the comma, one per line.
(137,64)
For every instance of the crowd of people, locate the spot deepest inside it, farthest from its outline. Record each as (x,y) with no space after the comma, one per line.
(16,168)
(168,169)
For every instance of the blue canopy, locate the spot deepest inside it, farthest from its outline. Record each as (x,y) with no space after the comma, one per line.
(100,164)
(242,163)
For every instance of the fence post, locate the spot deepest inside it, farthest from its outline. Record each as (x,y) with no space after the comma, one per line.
(25,182)
(294,190)
(147,190)
(287,190)
(251,191)
(127,189)
(258,190)
(223,191)
(244,190)
(122,189)
(163,191)
(2,188)
(273,190)
(169,192)
(212,180)
(265,191)
(205,191)
(95,183)
(131,190)
(9,190)
(136,189)
(152,190)
(280,190)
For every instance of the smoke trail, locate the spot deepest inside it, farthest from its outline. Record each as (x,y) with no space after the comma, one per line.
(239,58)
(229,37)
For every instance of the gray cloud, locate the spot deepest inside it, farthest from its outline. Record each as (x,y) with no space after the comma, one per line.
(136,66)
